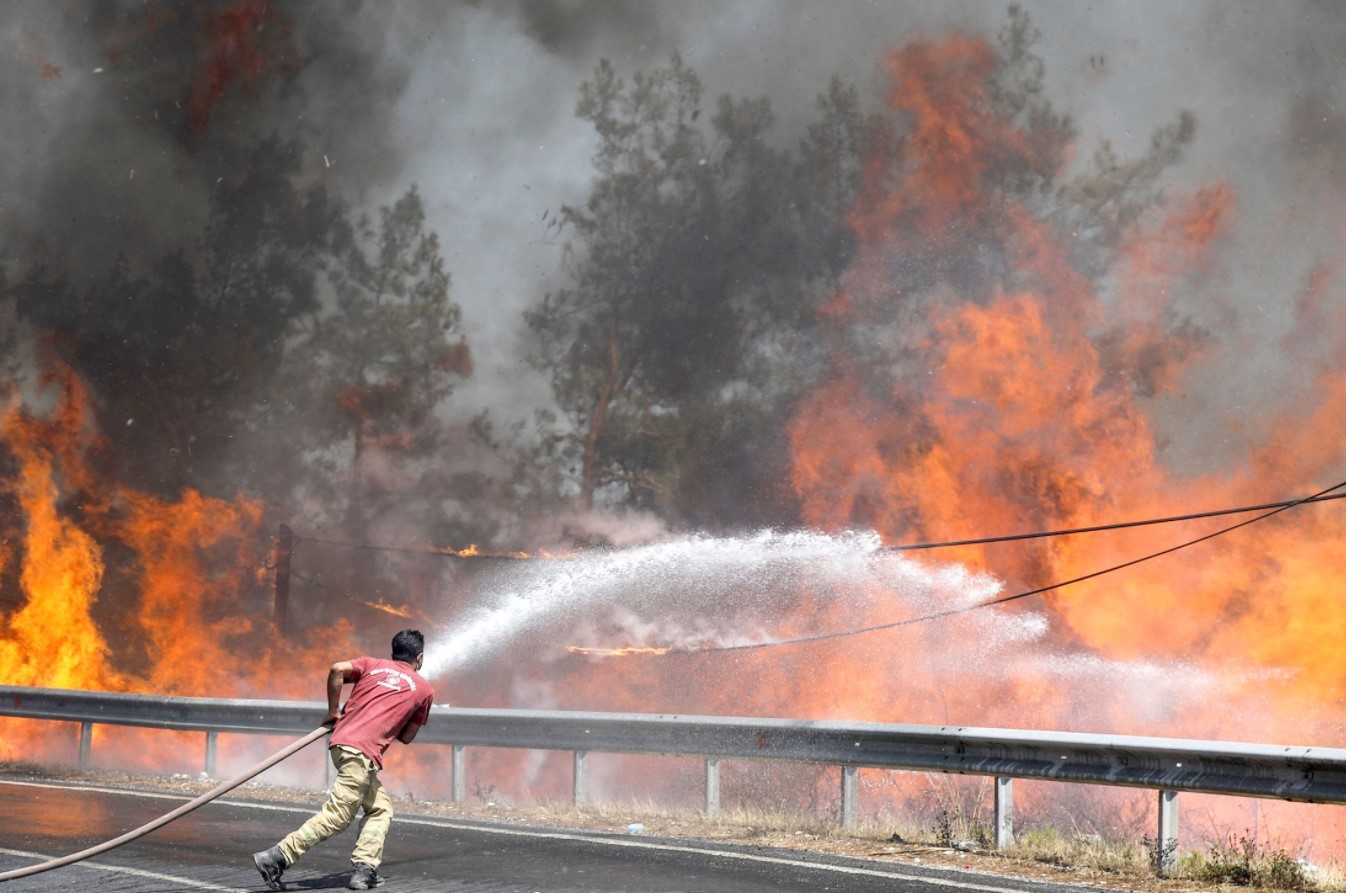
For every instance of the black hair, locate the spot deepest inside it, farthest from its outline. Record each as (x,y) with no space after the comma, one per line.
(408,645)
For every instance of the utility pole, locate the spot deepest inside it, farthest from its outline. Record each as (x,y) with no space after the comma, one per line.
(284,549)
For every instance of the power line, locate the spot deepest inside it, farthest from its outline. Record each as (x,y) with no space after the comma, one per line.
(1121,525)
(937,615)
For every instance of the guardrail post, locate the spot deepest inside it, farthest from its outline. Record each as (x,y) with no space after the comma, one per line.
(85,744)
(459,773)
(848,796)
(212,752)
(1004,813)
(581,789)
(712,786)
(1166,858)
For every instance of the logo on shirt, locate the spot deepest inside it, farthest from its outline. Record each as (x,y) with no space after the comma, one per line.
(393,679)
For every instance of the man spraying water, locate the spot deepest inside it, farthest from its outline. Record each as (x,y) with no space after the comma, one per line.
(390,700)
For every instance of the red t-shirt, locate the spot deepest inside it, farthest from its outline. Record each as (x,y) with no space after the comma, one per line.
(387,695)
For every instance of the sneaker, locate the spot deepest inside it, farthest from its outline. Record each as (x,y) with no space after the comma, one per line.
(271,864)
(364,877)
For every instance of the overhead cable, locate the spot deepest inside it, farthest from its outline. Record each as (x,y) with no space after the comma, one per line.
(1119,525)
(950,612)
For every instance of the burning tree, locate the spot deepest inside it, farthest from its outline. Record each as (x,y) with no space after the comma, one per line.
(1002,347)
(967,208)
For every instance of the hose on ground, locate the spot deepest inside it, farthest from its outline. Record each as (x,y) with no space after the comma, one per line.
(178,813)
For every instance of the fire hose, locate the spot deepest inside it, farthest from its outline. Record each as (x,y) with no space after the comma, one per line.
(178,813)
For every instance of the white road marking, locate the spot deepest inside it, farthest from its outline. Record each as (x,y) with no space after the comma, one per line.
(75,786)
(136,872)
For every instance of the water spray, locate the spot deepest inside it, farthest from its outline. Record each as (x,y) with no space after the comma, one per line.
(722,584)
(526,599)
(178,813)
(1267,510)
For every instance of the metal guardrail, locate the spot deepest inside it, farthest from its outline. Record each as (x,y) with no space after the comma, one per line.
(1166,765)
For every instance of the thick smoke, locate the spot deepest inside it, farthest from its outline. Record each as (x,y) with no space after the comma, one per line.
(123,116)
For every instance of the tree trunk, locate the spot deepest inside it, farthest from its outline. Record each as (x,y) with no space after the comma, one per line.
(589,471)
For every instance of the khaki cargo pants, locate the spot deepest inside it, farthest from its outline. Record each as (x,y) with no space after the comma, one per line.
(356,787)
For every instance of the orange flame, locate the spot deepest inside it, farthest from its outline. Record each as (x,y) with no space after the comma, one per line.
(53,640)
(1026,402)
(472,551)
(386,608)
(188,629)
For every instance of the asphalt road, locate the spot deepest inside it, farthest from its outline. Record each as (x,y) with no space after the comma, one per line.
(211,849)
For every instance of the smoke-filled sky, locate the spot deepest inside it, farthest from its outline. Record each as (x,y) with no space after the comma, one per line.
(492,137)
(474,103)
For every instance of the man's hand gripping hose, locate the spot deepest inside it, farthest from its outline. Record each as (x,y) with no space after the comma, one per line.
(178,813)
